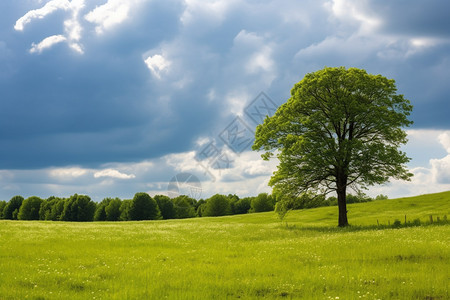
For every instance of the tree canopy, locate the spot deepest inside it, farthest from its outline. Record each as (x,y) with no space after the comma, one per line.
(340,128)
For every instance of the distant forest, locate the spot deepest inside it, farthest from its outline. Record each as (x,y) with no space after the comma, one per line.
(144,207)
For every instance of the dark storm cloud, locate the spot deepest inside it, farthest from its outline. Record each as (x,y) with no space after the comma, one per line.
(60,107)
(425,18)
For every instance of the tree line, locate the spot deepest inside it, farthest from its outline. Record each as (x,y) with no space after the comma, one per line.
(144,207)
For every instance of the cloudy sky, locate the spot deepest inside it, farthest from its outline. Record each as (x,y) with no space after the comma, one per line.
(113,97)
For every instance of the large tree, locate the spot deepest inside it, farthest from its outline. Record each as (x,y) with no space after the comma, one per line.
(340,128)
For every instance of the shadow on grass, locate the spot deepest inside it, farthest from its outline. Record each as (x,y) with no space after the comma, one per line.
(353,228)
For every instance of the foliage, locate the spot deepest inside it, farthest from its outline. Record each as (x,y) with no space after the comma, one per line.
(242,206)
(262,202)
(166,207)
(217,205)
(11,210)
(200,206)
(2,206)
(51,209)
(144,207)
(358,198)
(381,197)
(341,127)
(112,210)
(125,210)
(78,208)
(100,212)
(29,210)
(184,207)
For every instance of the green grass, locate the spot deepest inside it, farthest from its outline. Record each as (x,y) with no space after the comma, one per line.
(245,256)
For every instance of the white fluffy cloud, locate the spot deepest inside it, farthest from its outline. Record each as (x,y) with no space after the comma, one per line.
(47,43)
(113,173)
(72,27)
(40,13)
(157,64)
(110,14)
(431,178)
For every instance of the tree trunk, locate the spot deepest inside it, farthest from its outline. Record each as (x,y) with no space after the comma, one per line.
(341,185)
(342,205)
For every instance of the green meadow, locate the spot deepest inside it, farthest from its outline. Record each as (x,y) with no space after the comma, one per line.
(244,256)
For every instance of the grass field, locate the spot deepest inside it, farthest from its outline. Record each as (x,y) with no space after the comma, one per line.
(246,256)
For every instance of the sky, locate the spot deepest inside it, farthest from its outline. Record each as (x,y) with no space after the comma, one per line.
(112,97)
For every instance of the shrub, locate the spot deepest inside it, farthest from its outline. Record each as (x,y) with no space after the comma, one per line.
(397,223)
(416,222)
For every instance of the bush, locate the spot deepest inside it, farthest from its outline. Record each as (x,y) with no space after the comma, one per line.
(29,210)
(262,202)
(144,207)
(397,223)
(11,209)
(217,205)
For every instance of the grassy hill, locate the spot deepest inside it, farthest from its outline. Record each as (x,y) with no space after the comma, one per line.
(246,256)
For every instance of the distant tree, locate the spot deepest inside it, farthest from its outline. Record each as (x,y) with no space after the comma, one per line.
(100,212)
(242,206)
(2,206)
(381,197)
(51,209)
(340,128)
(232,199)
(166,206)
(144,207)
(11,209)
(29,210)
(184,207)
(262,202)
(125,210)
(113,210)
(358,198)
(78,208)
(200,207)
(217,205)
